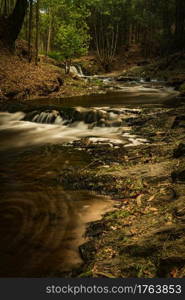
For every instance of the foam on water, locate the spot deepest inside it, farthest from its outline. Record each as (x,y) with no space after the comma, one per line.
(16,132)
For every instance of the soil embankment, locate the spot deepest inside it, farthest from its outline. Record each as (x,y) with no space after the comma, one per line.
(145,235)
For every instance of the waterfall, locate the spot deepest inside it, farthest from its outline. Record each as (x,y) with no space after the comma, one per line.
(79,69)
(76,70)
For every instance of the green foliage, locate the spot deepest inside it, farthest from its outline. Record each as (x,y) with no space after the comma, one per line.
(63,28)
(108,27)
(71,41)
(55,55)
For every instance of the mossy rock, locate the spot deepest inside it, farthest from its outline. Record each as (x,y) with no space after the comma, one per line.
(182,89)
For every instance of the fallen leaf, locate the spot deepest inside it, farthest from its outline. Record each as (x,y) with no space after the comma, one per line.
(153,209)
(138,200)
(151,198)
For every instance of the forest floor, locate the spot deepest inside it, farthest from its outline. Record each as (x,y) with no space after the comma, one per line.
(145,235)
(21,80)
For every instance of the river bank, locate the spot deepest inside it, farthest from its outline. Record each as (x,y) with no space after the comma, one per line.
(21,80)
(144,237)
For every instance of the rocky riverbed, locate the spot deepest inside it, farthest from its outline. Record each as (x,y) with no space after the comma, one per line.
(145,235)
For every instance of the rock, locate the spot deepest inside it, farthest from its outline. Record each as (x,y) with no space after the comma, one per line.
(12,93)
(126,79)
(180,151)
(49,88)
(176,82)
(2,96)
(166,194)
(90,117)
(101,122)
(179,122)
(143,63)
(117,123)
(87,251)
(60,81)
(178,176)
(170,122)
(179,210)
(182,89)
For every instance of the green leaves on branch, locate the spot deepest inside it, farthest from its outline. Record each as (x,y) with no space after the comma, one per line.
(71,41)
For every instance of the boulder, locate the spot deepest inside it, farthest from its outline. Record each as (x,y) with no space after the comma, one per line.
(178,176)
(180,151)
(126,79)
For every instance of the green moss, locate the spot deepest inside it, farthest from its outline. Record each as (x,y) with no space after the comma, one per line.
(182,88)
(117,214)
(86,274)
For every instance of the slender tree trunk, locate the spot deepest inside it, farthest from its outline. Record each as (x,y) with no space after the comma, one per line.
(26,25)
(5,8)
(49,33)
(37,32)
(30,30)
(1,7)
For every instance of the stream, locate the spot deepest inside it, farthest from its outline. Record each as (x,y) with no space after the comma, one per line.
(42,222)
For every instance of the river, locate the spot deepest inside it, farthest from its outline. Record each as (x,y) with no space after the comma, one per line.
(42,222)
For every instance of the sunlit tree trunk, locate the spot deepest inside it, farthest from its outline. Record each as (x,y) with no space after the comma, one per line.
(49,32)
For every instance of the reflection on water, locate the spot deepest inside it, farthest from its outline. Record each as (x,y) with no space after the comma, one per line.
(42,228)
(41,225)
(126,94)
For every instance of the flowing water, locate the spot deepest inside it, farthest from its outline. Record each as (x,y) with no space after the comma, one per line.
(41,223)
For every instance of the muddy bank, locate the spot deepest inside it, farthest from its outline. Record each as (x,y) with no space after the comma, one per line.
(145,236)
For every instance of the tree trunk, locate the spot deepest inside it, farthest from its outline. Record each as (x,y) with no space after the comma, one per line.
(180,24)
(5,8)
(37,32)
(30,30)
(49,33)
(10,27)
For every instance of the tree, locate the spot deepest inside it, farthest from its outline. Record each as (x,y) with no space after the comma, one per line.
(30,29)
(37,32)
(180,24)
(11,25)
(72,42)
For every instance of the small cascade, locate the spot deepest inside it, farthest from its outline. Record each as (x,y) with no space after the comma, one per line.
(94,117)
(79,69)
(99,124)
(73,70)
(48,117)
(76,70)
